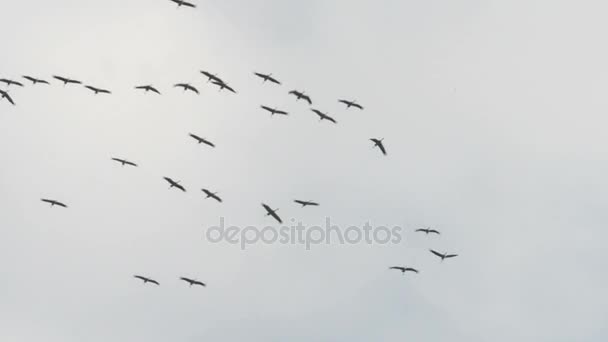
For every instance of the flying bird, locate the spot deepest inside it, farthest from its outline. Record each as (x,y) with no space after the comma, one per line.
(274,111)
(378,142)
(351,104)
(148,88)
(212,195)
(201,140)
(223,86)
(192,281)
(323,116)
(174,184)
(428,230)
(66,80)
(35,80)
(271,212)
(181,3)
(211,77)
(97,90)
(186,86)
(267,78)
(146,280)
(403,269)
(300,95)
(124,162)
(5,95)
(54,203)
(10,82)
(306,203)
(443,255)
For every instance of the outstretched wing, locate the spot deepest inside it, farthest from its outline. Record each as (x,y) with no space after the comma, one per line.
(451,256)
(436,253)
(411,269)
(402,269)
(381,146)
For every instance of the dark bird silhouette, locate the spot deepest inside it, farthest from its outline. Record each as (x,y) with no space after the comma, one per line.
(351,104)
(271,212)
(124,162)
(181,3)
(274,111)
(146,280)
(323,116)
(378,142)
(174,184)
(54,203)
(428,230)
(201,140)
(300,95)
(443,255)
(223,86)
(35,80)
(5,95)
(11,82)
(403,269)
(148,88)
(212,195)
(186,86)
(211,77)
(267,78)
(192,281)
(97,90)
(306,203)
(66,80)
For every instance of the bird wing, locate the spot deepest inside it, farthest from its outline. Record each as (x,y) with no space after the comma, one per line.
(216,197)
(421,230)
(60,204)
(329,118)
(280,112)
(140,277)
(307,98)
(8,97)
(451,255)
(276,217)
(402,269)
(63,79)
(186,280)
(29,78)
(17,83)
(154,90)
(381,146)
(356,105)
(180,187)
(199,283)
(105,91)
(47,200)
(273,80)
(153,281)
(301,202)
(188,4)
(196,137)
(178,85)
(436,253)
(189,87)
(92,88)
(267,108)
(171,181)
(434,231)
(206,142)
(411,269)
(130,163)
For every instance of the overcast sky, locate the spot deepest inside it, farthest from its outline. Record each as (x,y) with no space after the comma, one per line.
(494,118)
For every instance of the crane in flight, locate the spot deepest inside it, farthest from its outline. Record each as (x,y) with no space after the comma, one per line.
(193,282)
(146,280)
(301,95)
(223,86)
(186,86)
(66,80)
(97,90)
(201,140)
(5,95)
(403,269)
(211,77)
(379,144)
(323,116)
(274,111)
(443,255)
(10,82)
(351,104)
(428,231)
(147,88)
(306,203)
(272,212)
(124,162)
(174,184)
(181,3)
(212,195)
(54,203)
(267,78)
(35,80)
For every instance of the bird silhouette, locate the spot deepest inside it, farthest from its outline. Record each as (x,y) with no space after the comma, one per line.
(211,77)
(5,95)
(201,140)
(306,203)
(272,212)
(323,116)
(428,230)
(274,111)
(66,80)
(124,162)
(266,77)
(146,280)
(212,195)
(181,3)
(54,203)
(378,142)
(97,90)
(223,86)
(148,88)
(35,80)
(186,86)
(403,269)
(443,255)
(301,95)
(192,281)
(351,104)
(174,184)
(10,82)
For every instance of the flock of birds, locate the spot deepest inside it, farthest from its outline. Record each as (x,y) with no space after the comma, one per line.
(221,84)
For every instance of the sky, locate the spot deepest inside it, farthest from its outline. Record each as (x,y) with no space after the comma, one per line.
(492,113)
